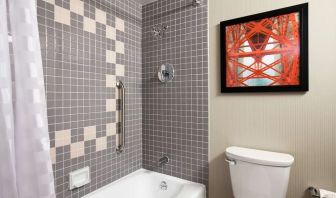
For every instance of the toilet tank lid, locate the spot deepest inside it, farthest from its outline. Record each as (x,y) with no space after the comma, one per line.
(261,157)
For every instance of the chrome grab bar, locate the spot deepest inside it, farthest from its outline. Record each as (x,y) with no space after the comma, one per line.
(120,137)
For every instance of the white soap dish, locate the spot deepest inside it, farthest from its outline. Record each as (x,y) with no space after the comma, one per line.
(79,178)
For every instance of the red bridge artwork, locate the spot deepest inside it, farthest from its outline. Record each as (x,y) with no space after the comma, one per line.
(264,52)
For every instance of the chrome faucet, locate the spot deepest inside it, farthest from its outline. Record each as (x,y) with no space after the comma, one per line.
(163,160)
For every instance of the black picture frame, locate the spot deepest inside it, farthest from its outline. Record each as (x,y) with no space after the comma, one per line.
(302,9)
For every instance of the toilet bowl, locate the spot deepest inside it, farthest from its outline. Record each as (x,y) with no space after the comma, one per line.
(257,173)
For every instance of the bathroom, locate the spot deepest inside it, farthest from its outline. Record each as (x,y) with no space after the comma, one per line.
(128,98)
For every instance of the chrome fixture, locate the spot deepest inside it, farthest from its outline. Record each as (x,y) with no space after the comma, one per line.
(120,138)
(163,160)
(186,5)
(196,2)
(159,31)
(163,185)
(231,161)
(166,73)
(314,192)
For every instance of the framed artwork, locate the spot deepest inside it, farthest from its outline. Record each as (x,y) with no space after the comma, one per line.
(266,52)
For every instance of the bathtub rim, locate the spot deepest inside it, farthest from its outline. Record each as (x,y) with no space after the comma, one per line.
(143,170)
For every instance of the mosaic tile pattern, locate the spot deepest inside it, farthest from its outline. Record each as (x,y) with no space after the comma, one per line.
(87,45)
(175,115)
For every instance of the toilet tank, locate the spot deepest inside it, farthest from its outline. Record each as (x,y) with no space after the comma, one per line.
(257,173)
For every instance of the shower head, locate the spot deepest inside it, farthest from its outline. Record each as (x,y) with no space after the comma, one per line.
(159,31)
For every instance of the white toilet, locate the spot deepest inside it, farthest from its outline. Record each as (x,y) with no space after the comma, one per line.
(258,174)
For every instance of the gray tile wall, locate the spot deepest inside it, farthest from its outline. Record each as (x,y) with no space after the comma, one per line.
(175,115)
(87,46)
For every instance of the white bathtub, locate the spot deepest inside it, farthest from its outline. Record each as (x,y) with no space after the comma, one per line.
(147,184)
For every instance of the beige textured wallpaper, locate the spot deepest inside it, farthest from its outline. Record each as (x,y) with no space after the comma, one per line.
(302,124)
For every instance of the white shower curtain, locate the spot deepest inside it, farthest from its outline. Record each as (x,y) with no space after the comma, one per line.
(25,164)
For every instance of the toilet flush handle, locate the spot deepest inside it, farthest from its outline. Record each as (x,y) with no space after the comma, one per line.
(231,161)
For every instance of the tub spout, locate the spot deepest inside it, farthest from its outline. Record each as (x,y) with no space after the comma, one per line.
(163,160)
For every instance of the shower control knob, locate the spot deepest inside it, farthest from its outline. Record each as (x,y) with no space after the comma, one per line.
(166,73)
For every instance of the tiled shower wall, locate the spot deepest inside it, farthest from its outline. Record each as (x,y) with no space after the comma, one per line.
(86,47)
(175,114)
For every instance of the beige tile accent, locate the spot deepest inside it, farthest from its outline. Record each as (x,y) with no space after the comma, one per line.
(110,56)
(120,24)
(117,95)
(120,70)
(110,81)
(101,144)
(62,138)
(100,16)
(77,149)
(77,6)
(111,129)
(117,117)
(111,105)
(89,25)
(50,1)
(120,47)
(62,15)
(89,133)
(53,155)
(111,32)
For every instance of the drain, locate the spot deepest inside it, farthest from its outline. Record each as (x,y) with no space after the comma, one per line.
(164,185)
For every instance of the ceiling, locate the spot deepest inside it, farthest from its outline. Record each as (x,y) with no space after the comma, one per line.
(143,2)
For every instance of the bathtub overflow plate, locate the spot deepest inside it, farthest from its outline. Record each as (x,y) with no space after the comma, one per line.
(164,185)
